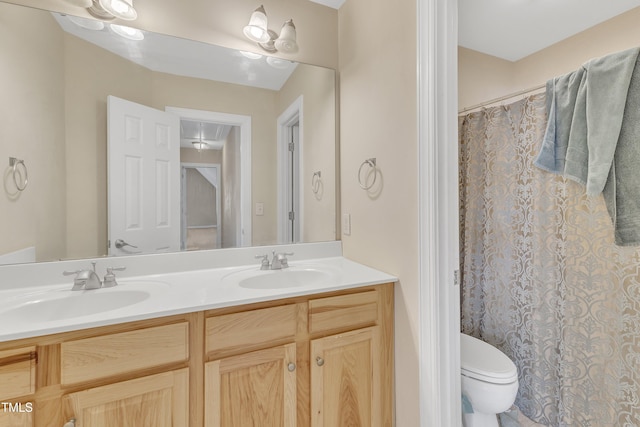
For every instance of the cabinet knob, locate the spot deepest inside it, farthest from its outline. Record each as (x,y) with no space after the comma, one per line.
(319,361)
(70,423)
(291,367)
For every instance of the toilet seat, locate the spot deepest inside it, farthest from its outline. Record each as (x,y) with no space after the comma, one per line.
(484,362)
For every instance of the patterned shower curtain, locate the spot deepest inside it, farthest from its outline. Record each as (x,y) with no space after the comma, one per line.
(541,277)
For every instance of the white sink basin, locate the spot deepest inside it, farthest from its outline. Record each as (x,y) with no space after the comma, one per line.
(48,306)
(291,277)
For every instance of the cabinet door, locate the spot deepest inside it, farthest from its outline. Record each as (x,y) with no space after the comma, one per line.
(253,389)
(160,400)
(15,419)
(345,380)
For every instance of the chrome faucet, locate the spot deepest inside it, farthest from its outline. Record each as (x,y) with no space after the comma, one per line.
(85,279)
(280,260)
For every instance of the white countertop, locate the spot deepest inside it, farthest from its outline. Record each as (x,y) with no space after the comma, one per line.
(174,293)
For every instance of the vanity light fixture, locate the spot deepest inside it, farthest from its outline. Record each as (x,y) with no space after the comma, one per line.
(108,10)
(267,39)
(122,9)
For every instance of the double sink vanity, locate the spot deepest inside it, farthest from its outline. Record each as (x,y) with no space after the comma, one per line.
(213,338)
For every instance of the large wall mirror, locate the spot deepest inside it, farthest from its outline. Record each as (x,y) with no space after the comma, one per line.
(80,102)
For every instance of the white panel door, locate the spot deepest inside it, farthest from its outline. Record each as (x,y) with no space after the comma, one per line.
(143,179)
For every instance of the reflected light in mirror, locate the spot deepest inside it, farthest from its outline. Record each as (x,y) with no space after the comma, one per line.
(127,32)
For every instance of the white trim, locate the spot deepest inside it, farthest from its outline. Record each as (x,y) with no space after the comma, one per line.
(293,113)
(440,403)
(191,165)
(244,122)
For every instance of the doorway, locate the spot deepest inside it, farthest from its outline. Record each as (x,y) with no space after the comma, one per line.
(290,194)
(237,228)
(200,206)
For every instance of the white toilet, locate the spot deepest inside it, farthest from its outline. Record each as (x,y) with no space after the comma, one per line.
(489,382)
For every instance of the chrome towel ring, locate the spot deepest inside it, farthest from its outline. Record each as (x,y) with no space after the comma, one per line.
(372,168)
(315,182)
(19,180)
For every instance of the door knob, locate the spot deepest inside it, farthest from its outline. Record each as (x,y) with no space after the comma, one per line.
(70,423)
(319,361)
(291,367)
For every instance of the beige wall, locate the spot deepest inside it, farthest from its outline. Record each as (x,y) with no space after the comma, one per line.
(483,77)
(32,128)
(221,22)
(231,189)
(378,119)
(317,87)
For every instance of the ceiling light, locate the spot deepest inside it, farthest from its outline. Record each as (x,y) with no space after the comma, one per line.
(199,145)
(127,32)
(267,39)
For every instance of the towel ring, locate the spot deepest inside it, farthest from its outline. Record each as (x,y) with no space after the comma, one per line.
(315,182)
(372,166)
(14,163)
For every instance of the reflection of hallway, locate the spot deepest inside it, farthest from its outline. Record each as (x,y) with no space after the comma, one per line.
(201,208)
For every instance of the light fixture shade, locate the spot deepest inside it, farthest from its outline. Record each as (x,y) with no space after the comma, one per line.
(257,28)
(122,9)
(287,40)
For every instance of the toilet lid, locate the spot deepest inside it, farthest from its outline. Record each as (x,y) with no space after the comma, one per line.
(484,362)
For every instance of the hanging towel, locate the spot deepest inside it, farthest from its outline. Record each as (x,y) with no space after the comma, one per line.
(585,118)
(593,135)
(622,190)
(561,99)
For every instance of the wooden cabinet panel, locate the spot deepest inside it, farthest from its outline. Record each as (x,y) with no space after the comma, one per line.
(17,372)
(345,380)
(250,328)
(343,311)
(15,419)
(104,356)
(254,389)
(160,400)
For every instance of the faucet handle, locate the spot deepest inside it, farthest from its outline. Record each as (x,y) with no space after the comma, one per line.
(71,273)
(110,278)
(264,265)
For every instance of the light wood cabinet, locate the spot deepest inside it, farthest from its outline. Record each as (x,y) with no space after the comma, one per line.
(160,400)
(321,360)
(345,380)
(253,389)
(16,419)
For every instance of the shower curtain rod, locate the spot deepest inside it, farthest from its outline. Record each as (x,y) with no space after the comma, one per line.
(502,98)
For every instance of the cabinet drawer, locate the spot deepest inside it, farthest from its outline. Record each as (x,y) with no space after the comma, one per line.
(104,356)
(17,372)
(343,311)
(251,328)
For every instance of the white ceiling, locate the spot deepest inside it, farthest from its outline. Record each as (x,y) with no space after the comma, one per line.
(513,29)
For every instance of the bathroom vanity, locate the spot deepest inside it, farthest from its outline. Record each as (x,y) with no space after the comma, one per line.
(298,355)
